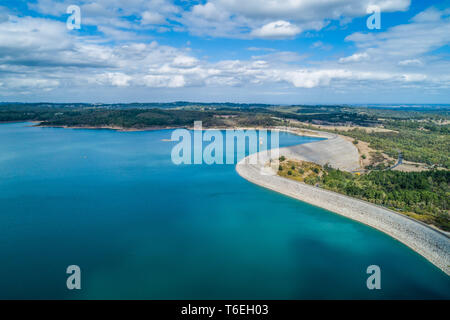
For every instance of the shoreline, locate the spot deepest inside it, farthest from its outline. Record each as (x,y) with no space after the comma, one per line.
(430,243)
(296,131)
(114,128)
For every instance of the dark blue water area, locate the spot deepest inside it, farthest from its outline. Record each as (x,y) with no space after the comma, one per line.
(141,227)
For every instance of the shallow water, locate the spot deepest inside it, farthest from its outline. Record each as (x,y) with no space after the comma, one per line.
(141,227)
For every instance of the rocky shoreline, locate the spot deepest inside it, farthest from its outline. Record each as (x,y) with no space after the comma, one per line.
(339,153)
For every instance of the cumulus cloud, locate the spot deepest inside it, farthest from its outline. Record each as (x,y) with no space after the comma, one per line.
(411,62)
(406,51)
(27,83)
(38,55)
(149,17)
(276,19)
(184,62)
(277,30)
(306,10)
(224,18)
(158,81)
(357,57)
(113,16)
(211,20)
(428,30)
(314,78)
(117,79)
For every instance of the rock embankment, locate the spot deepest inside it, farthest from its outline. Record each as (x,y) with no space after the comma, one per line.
(342,154)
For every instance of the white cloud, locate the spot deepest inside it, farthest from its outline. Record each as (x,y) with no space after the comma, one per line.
(411,62)
(404,51)
(37,55)
(277,30)
(414,77)
(429,30)
(260,49)
(159,81)
(21,85)
(184,62)
(149,17)
(307,10)
(357,57)
(118,79)
(280,57)
(211,20)
(209,11)
(219,18)
(3,16)
(320,45)
(430,15)
(113,15)
(314,78)
(237,18)
(33,34)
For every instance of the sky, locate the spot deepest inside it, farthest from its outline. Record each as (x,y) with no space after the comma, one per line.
(260,51)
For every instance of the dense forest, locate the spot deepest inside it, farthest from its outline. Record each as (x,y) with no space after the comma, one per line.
(143,115)
(134,118)
(422,195)
(418,142)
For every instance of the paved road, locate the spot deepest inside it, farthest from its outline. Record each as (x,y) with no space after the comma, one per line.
(399,161)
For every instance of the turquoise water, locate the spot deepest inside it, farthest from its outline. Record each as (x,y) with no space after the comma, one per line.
(142,228)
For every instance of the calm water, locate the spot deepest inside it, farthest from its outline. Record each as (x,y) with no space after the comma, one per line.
(140,227)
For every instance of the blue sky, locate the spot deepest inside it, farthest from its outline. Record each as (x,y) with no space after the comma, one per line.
(297,51)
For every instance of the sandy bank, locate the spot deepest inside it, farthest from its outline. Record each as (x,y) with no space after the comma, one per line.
(115,128)
(339,153)
(298,131)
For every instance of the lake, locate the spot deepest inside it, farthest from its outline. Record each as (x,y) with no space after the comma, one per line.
(141,227)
